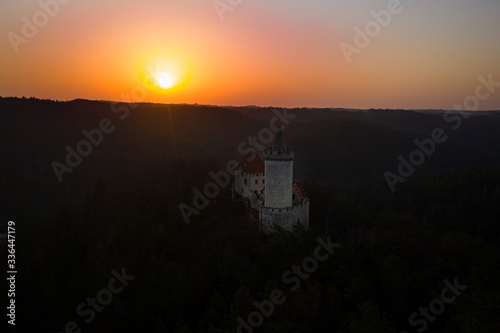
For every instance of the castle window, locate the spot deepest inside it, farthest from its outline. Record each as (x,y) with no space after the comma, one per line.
(256,182)
(244,181)
(263,181)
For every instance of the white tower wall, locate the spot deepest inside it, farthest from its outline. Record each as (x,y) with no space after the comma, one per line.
(278,208)
(279,180)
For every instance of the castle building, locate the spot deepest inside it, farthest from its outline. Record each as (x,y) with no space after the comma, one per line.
(249,179)
(270,188)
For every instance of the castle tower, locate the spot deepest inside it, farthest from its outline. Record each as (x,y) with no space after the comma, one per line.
(278,162)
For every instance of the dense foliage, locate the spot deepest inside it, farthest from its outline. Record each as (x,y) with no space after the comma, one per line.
(119,210)
(396,251)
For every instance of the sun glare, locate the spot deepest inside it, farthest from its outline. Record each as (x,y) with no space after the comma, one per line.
(165,80)
(165,74)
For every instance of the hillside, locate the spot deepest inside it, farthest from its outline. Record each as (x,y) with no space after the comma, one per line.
(117,211)
(336,147)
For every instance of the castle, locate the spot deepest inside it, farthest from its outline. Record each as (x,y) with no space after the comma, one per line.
(270,189)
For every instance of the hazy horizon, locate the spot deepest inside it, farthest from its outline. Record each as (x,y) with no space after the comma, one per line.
(248,106)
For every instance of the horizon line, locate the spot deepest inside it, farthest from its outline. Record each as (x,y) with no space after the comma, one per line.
(250,105)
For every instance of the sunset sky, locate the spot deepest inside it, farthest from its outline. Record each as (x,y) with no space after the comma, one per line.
(266,53)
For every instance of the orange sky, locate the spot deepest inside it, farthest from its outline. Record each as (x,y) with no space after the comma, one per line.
(279,53)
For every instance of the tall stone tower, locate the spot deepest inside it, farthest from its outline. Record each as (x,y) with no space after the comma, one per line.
(284,204)
(279,174)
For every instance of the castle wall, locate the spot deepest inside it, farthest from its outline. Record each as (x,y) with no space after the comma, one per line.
(285,217)
(279,180)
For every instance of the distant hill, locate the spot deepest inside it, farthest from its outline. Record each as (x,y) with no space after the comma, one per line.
(333,146)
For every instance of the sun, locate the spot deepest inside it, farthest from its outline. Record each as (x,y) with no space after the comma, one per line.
(165,74)
(165,80)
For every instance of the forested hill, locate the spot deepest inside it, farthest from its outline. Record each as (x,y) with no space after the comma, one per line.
(333,146)
(117,211)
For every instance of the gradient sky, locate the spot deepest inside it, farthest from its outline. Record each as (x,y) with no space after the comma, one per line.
(267,53)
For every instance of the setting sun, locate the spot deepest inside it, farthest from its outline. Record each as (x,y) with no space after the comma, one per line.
(163,72)
(165,80)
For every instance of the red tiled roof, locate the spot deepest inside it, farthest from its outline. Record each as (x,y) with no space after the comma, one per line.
(251,164)
(298,189)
